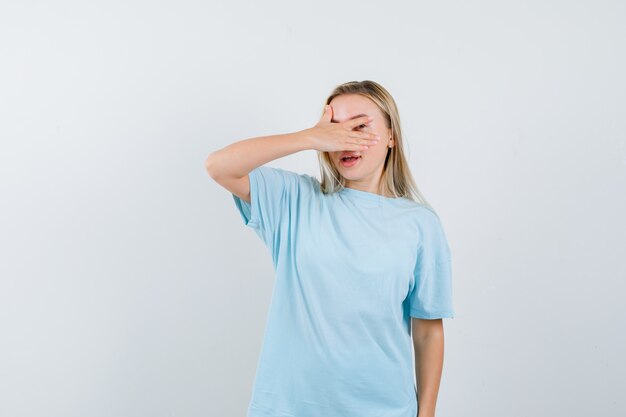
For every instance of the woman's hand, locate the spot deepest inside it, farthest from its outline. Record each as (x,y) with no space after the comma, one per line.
(327,136)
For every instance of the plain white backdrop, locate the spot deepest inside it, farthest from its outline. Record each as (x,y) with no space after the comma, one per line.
(129,285)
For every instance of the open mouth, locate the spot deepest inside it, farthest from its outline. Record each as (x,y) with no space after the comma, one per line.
(348,161)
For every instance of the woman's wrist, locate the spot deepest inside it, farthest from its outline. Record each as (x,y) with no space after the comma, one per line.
(306,138)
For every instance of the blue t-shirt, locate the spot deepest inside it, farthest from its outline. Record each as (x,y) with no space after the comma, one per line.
(351,268)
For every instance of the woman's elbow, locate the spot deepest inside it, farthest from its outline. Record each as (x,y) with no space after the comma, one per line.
(211,166)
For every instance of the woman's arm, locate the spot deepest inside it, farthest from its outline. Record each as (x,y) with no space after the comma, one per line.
(428,343)
(230,166)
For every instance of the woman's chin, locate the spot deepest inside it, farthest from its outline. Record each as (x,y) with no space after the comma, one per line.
(349,175)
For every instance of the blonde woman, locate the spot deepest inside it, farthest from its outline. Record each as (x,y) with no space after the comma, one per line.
(363,267)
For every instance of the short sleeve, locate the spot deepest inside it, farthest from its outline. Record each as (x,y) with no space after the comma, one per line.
(271,190)
(430,297)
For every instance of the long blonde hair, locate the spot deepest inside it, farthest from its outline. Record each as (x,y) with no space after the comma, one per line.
(396,179)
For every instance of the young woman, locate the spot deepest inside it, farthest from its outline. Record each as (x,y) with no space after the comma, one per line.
(363,267)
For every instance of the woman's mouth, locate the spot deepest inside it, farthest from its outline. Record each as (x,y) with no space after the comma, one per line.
(349,161)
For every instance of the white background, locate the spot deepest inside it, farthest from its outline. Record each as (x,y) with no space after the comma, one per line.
(129,284)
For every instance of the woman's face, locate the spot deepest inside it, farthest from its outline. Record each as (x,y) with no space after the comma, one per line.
(368,168)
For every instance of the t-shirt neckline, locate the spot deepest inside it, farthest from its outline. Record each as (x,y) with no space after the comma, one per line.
(366,194)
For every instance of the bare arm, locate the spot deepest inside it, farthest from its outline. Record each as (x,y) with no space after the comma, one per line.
(428,342)
(230,166)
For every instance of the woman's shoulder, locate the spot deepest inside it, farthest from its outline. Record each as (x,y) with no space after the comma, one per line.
(287,179)
(422,214)
(285,174)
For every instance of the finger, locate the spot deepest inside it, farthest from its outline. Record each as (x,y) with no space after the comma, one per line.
(364,135)
(360,145)
(328,113)
(369,141)
(358,121)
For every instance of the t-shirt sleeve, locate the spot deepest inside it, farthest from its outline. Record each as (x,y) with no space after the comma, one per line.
(431,294)
(271,190)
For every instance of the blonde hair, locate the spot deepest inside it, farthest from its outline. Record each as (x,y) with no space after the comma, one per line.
(396,179)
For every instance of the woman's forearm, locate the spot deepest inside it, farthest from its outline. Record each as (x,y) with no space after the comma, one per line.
(428,369)
(239,158)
